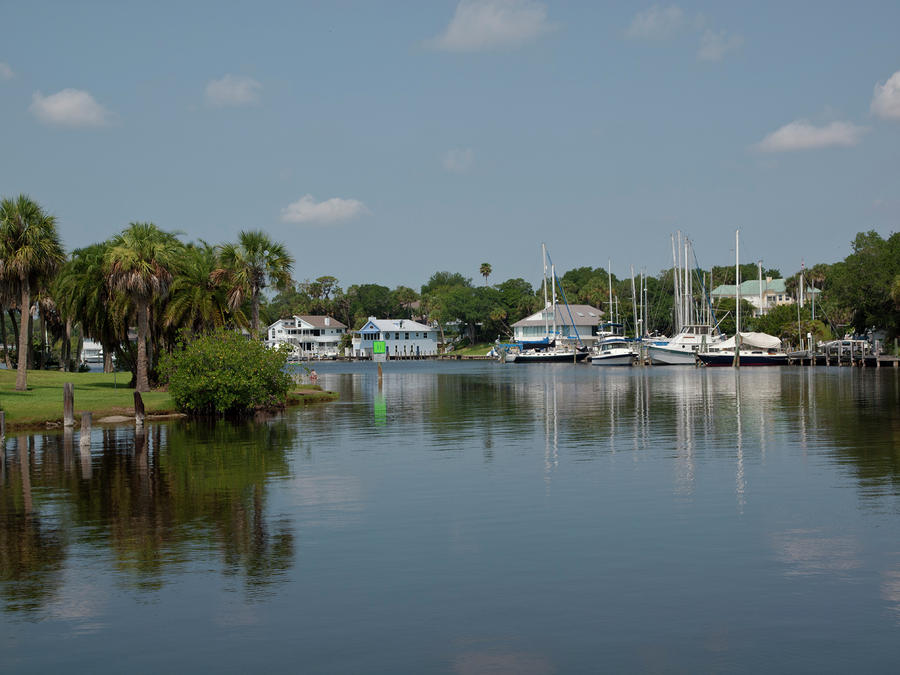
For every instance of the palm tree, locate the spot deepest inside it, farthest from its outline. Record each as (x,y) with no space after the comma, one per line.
(196,302)
(249,266)
(139,263)
(485,271)
(30,252)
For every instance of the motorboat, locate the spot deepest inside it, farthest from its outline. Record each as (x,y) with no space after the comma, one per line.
(613,351)
(756,349)
(682,349)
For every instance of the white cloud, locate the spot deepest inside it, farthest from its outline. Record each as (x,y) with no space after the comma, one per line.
(714,45)
(886,100)
(6,73)
(69,107)
(656,23)
(334,210)
(801,135)
(232,90)
(491,24)
(458,160)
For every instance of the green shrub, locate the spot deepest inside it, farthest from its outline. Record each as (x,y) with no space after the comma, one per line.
(224,374)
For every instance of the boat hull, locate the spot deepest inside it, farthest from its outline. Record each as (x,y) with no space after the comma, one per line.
(567,357)
(613,360)
(663,356)
(727,359)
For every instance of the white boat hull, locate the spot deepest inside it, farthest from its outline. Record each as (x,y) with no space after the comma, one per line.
(668,356)
(624,359)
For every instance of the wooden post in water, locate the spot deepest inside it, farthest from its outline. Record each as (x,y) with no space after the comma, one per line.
(68,405)
(84,438)
(138,410)
(2,429)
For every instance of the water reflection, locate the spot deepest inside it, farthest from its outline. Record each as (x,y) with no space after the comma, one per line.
(150,499)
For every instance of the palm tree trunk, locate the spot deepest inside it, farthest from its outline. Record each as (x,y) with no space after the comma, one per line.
(29,348)
(22,369)
(254,316)
(107,358)
(5,346)
(143,328)
(65,350)
(42,327)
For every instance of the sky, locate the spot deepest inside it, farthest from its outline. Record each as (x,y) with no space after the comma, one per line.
(383,141)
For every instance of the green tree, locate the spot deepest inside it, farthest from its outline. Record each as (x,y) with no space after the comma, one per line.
(485,271)
(30,253)
(250,266)
(196,302)
(139,263)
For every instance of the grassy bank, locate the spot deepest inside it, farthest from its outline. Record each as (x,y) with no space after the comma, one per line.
(473,350)
(101,393)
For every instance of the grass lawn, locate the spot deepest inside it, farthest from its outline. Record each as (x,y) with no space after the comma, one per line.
(474,350)
(97,392)
(101,393)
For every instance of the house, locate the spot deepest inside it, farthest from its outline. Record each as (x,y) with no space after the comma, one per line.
(308,336)
(774,293)
(402,337)
(535,328)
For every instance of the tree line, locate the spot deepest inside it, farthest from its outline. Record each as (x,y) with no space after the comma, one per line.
(143,290)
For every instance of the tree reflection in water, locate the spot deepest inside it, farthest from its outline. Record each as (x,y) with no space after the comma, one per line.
(153,499)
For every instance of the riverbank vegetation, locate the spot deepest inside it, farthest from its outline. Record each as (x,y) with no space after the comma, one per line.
(142,290)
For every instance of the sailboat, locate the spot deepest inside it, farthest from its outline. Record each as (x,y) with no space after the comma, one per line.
(692,336)
(744,349)
(552,348)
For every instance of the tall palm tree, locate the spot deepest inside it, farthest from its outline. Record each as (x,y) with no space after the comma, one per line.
(485,271)
(139,263)
(196,301)
(249,266)
(30,253)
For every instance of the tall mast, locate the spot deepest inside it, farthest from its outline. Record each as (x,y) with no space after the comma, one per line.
(544,284)
(760,288)
(553,286)
(801,284)
(675,280)
(634,305)
(609,318)
(737,307)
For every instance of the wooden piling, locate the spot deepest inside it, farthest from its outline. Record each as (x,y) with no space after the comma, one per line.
(68,405)
(138,409)
(2,426)
(84,438)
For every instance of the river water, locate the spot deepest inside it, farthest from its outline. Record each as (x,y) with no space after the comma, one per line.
(471,518)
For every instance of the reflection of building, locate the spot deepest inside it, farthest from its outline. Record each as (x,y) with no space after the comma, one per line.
(535,328)
(402,337)
(316,336)
(774,293)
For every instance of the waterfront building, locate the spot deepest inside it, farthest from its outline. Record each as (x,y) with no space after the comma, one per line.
(774,293)
(308,336)
(535,328)
(402,337)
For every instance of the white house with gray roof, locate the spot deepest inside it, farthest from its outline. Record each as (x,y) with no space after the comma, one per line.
(308,336)
(402,337)
(539,326)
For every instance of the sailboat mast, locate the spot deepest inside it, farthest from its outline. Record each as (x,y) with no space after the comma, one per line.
(737,307)
(544,285)
(677,298)
(609,274)
(553,286)
(634,305)
(759,264)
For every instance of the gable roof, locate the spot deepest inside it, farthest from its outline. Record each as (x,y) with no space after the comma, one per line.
(319,321)
(374,325)
(583,315)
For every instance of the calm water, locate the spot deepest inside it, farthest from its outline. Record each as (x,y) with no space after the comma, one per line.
(470,518)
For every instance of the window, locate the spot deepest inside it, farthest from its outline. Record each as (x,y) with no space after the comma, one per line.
(406,336)
(396,336)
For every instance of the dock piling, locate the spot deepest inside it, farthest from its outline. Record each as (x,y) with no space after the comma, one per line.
(138,410)
(84,437)
(68,405)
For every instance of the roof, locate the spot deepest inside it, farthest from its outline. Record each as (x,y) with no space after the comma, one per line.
(583,315)
(319,321)
(751,287)
(314,321)
(374,325)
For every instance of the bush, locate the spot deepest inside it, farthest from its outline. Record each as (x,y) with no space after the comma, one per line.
(225,374)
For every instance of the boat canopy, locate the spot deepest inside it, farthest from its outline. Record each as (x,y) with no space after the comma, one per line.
(758,340)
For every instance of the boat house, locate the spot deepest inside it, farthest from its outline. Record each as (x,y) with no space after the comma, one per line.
(764,297)
(538,327)
(308,336)
(402,337)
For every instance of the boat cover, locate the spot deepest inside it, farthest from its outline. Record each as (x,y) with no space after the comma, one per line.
(757,340)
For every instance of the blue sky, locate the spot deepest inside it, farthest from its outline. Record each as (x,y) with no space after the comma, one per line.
(384,141)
